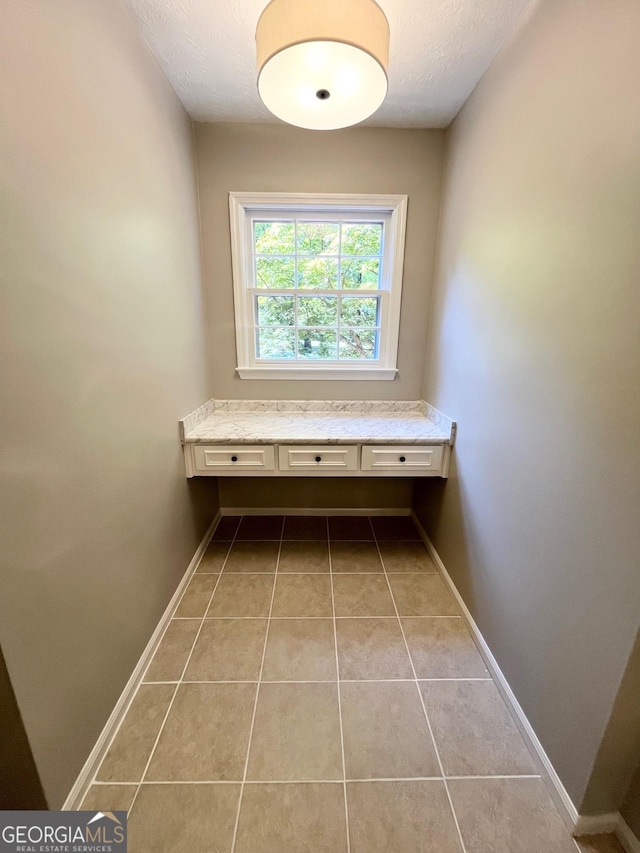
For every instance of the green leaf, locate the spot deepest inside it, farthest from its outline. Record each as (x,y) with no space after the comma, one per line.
(276,343)
(317,310)
(275,310)
(274,238)
(317,343)
(318,238)
(360,274)
(358,343)
(359,311)
(318,273)
(363,238)
(275,273)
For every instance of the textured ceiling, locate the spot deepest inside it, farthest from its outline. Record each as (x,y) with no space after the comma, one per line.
(439,51)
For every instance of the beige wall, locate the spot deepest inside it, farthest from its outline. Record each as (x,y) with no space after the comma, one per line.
(316,493)
(102,351)
(534,348)
(619,751)
(280,158)
(631,806)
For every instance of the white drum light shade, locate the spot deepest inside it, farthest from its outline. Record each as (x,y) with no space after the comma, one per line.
(322,64)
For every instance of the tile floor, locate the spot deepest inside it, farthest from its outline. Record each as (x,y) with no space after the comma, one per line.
(317,692)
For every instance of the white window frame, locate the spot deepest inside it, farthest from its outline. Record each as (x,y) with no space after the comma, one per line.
(244,208)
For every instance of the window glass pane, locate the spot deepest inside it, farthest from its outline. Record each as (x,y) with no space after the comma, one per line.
(275,310)
(276,343)
(359,311)
(360,274)
(317,311)
(318,273)
(358,343)
(362,238)
(274,238)
(275,272)
(318,238)
(317,343)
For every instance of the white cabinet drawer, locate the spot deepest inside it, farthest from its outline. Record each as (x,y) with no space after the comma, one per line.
(412,458)
(304,457)
(223,458)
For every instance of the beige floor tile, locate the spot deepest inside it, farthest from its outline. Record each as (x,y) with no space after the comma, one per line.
(184,819)
(599,844)
(296,734)
(196,598)
(128,754)
(473,730)
(305,527)
(508,816)
(443,648)
(292,819)
(227,527)
(304,557)
(355,557)
(206,735)
(300,650)
(228,650)
(401,817)
(302,595)
(406,557)
(422,595)
(109,798)
(214,557)
(394,527)
(345,527)
(385,731)
(260,527)
(362,595)
(242,595)
(172,653)
(252,557)
(372,649)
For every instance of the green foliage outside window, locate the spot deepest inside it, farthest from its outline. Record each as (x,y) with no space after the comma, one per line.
(304,256)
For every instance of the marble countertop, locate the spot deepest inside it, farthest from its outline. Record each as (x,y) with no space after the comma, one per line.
(316,422)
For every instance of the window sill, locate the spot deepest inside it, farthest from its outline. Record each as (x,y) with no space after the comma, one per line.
(355,374)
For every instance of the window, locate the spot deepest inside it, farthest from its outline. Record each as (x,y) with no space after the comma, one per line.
(317,285)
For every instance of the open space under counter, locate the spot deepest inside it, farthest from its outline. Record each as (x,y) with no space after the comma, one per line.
(287,438)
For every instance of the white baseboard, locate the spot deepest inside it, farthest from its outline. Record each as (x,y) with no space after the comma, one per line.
(626,837)
(596,824)
(559,793)
(80,786)
(288,510)
(609,823)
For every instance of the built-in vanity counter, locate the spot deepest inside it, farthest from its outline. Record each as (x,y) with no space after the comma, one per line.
(289,438)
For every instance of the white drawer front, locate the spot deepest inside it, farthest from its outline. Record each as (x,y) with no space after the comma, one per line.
(412,458)
(313,458)
(227,459)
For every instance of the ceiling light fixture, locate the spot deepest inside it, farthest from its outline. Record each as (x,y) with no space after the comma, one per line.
(322,64)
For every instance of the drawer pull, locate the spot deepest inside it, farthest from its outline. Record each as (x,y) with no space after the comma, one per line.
(234,458)
(403,458)
(318,458)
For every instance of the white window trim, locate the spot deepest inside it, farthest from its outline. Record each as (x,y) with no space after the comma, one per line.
(242,206)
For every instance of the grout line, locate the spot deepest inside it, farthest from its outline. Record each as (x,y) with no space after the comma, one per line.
(255,704)
(338,573)
(312,680)
(335,645)
(184,669)
(498,776)
(424,708)
(277,618)
(306,781)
